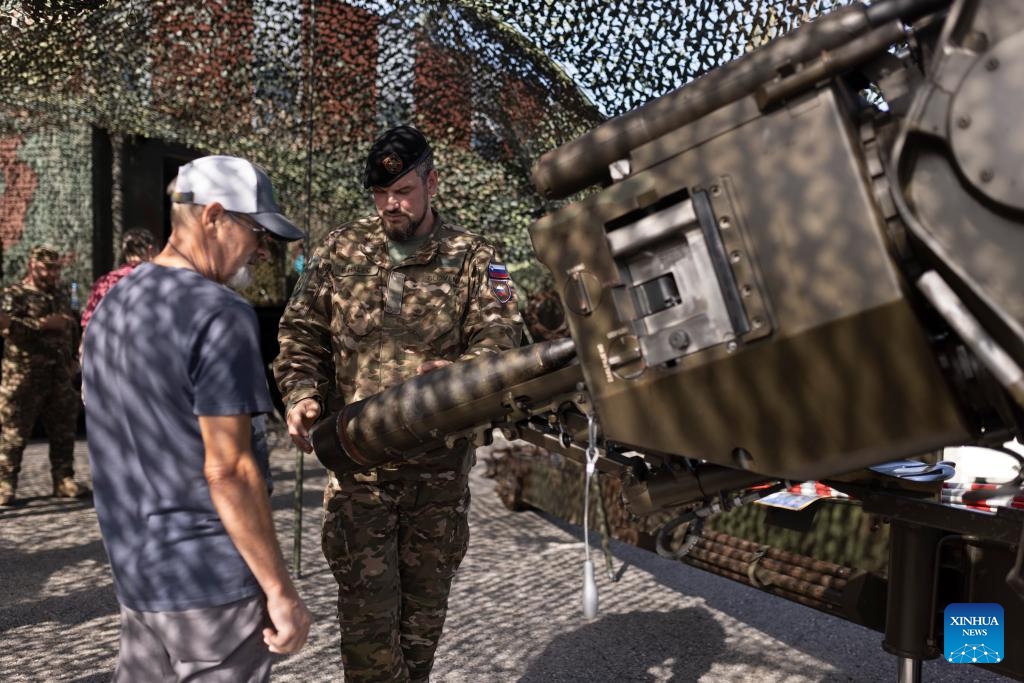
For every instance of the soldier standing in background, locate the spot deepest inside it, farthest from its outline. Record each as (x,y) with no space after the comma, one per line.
(38,375)
(381,300)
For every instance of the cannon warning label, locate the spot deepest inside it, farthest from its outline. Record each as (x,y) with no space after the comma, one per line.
(973,633)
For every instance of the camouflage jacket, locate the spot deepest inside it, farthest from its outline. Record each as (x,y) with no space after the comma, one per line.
(24,342)
(357,324)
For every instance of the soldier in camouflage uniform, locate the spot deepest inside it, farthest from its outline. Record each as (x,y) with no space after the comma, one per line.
(38,372)
(382,300)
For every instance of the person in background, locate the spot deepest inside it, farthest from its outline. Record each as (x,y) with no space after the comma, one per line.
(382,300)
(173,374)
(136,248)
(39,365)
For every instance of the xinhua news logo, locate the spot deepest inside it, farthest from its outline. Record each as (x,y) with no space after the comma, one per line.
(973,633)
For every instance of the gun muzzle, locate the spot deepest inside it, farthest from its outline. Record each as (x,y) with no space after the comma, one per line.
(415,416)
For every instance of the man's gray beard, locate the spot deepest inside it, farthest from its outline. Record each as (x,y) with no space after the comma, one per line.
(241,279)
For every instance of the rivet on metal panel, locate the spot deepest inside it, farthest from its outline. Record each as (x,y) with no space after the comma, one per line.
(679,339)
(724,223)
(757,322)
(731,347)
(746,290)
(735,256)
(715,190)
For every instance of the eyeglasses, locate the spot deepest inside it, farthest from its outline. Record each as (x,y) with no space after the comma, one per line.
(263,236)
(247,222)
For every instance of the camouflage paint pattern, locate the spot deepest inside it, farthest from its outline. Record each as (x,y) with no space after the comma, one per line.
(527,476)
(38,368)
(357,324)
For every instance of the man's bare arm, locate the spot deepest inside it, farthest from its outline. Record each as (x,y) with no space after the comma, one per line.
(239,494)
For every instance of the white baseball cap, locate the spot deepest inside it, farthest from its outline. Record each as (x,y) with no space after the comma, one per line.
(239,186)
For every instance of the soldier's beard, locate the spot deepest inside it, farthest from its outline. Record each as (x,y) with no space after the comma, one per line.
(241,279)
(45,284)
(402,232)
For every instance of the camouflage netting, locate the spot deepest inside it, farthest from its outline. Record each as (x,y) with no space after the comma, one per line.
(302,87)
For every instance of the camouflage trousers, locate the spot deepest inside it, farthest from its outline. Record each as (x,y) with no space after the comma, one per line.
(43,392)
(394,547)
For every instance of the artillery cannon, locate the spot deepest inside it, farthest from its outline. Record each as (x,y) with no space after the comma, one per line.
(799,267)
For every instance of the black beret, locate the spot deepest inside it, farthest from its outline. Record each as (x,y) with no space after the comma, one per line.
(395,153)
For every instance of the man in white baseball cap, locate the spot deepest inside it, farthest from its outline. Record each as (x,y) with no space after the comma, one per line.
(239,186)
(233,188)
(173,376)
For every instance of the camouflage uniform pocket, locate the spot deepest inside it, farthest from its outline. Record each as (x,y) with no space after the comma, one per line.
(454,545)
(438,534)
(357,299)
(358,522)
(429,307)
(459,532)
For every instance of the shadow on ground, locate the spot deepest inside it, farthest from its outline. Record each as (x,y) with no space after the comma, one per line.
(609,643)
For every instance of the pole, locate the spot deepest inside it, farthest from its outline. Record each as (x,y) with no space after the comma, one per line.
(297,522)
(299,455)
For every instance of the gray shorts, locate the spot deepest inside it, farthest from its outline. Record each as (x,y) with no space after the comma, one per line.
(208,645)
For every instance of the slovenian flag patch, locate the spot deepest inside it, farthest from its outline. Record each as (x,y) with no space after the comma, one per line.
(497,271)
(501,282)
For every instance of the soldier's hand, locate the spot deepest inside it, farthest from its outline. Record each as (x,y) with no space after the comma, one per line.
(426,367)
(299,419)
(55,322)
(290,623)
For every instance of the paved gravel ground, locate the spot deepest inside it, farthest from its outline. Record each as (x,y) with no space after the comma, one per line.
(514,612)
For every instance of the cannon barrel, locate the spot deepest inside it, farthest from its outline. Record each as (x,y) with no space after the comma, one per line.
(415,416)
